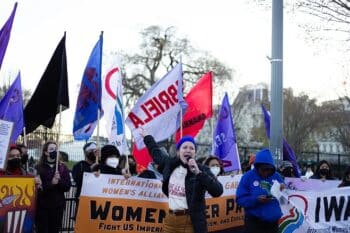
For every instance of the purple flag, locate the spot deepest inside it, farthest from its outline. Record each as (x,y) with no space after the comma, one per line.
(5,34)
(288,153)
(225,144)
(11,108)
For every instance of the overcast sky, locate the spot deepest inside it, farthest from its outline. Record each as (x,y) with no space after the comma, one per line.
(236,32)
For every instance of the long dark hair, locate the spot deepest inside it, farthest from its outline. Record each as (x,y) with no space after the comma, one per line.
(210,158)
(330,174)
(43,158)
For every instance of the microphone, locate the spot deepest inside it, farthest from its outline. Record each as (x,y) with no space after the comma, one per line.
(192,168)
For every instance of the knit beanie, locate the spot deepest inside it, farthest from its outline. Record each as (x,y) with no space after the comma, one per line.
(185,139)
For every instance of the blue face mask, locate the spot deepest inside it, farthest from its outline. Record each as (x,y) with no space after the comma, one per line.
(53,154)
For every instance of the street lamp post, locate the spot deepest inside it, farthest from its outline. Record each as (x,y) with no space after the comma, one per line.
(277,81)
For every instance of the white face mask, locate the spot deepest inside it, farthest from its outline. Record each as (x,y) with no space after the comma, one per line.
(112,162)
(215,170)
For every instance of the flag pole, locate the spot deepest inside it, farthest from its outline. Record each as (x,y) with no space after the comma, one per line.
(58,137)
(98,109)
(25,144)
(98,134)
(181,118)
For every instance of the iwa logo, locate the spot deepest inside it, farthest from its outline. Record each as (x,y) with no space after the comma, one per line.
(294,219)
(291,222)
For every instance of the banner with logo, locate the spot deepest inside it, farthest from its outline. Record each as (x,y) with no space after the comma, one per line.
(17,204)
(316,212)
(113,203)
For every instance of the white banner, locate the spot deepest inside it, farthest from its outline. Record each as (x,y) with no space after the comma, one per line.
(158,110)
(310,184)
(317,212)
(6,128)
(112,102)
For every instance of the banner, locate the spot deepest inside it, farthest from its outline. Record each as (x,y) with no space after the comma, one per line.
(317,212)
(5,136)
(111,202)
(158,110)
(310,184)
(17,204)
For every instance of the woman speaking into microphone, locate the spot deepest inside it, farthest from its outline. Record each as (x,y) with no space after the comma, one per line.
(184,183)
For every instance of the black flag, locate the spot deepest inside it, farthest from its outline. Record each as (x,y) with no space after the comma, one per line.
(51,92)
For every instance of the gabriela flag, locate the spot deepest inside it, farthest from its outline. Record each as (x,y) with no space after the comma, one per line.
(113,107)
(89,99)
(224,141)
(200,108)
(158,110)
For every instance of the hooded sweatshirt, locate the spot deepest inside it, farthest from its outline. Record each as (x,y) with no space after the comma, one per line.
(252,185)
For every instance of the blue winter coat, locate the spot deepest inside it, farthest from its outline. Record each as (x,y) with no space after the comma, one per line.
(252,186)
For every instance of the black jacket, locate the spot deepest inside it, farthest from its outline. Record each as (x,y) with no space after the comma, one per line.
(77,173)
(195,185)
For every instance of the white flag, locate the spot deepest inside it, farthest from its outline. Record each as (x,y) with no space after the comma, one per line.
(158,110)
(112,101)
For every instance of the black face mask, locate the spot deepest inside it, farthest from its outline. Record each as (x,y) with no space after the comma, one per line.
(91,156)
(14,163)
(53,154)
(324,171)
(24,158)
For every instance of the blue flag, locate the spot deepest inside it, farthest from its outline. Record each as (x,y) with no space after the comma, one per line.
(288,153)
(225,144)
(89,99)
(5,34)
(11,108)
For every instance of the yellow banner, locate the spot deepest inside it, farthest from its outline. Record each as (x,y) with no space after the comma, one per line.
(17,204)
(113,203)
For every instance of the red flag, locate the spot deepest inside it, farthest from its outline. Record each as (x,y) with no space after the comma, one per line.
(142,157)
(200,107)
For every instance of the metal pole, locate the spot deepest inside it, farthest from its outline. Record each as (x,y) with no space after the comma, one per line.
(277,81)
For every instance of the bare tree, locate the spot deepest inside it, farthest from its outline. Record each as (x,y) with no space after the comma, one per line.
(302,116)
(160,51)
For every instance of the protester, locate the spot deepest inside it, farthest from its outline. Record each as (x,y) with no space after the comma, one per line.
(215,165)
(286,169)
(24,157)
(346,178)
(323,171)
(308,172)
(262,210)
(130,167)
(110,157)
(50,198)
(185,184)
(14,166)
(90,152)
